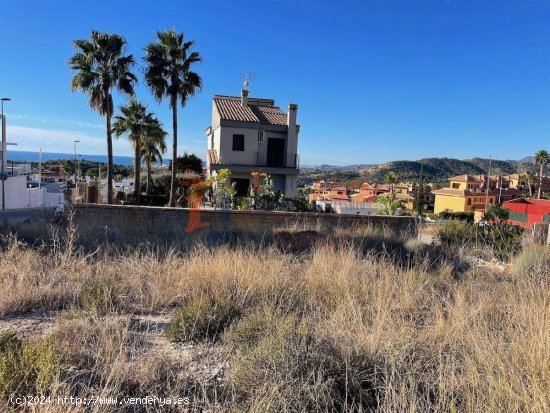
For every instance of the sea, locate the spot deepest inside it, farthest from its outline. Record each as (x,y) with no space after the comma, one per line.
(54,156)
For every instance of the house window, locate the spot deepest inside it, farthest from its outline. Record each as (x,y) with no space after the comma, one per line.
(455,185)
(238,142)
(469,201)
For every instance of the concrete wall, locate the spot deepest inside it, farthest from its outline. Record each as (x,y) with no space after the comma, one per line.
(143,223)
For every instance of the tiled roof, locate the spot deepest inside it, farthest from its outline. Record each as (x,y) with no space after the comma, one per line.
(450,192)
(467,192)
(464,178)
(404,196)
(230,108)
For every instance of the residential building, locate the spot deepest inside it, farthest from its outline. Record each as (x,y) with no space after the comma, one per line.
(526,211)
(21,190)
(468,193)
(253,135)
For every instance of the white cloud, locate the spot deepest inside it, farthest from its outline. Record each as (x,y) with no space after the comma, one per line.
(62,141)
(40,119)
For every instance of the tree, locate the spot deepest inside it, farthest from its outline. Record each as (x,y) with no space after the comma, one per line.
(420,192)
(101,66)
(529,179)
(134,122)
(542,158)
(168,74)
(496,214)
(68,168)
(388,205)
(224,190)
(187,162)
(153,146)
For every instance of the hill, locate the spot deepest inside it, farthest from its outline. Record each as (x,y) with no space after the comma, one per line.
(436,170)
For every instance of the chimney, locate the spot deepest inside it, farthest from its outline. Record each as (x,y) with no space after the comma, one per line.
(292,142)
(244,97)
(291,118)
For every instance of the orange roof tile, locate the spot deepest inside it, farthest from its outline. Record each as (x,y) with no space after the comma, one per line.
(230,108)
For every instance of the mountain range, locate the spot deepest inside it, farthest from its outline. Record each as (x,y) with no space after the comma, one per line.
(436,170)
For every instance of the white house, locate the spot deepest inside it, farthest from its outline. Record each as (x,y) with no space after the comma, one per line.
(253,135)
(20,190)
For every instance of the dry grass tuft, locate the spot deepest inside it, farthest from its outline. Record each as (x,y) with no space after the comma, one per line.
(337,328)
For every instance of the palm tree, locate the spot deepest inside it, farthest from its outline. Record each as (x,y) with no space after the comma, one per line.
(542,158)
(529,179)
(153,146)
(391,180)
(168,74)
(134,121)
(101,66)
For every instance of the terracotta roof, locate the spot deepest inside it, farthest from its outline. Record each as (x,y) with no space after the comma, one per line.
(464,178)
(401,185)
(403,196)
(366,185)
(338,197)
(467,192)
(450,192)
(257,111)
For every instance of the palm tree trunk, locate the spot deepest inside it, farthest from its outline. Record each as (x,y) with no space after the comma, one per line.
(174,104)
(109,147)
(137,169)
(540,180)
(149,178)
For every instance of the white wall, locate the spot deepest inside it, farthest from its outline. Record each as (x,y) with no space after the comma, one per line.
(226,153)
(291,185)
(18,195)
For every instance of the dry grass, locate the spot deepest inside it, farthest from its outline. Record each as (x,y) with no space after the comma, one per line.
(333,329)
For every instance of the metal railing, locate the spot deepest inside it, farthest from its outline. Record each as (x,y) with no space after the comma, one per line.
(278,160)
(267,159)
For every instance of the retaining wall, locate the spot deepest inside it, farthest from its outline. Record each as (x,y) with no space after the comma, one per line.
(144,223)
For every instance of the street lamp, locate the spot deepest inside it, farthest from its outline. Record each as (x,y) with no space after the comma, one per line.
(75,142)
(3,152)
(79,159)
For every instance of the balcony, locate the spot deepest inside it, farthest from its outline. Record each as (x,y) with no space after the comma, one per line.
(278,160)
(263,159)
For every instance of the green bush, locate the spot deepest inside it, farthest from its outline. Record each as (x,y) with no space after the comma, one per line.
(460,216)
(274,363)
(502,241)
(534,263)
(25,366)
(202,319)
(100,297)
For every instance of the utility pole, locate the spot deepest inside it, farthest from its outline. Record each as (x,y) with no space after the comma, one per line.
(40,169)
(488,184)
(500,190)
(75,142)
(4,145)
(420,192)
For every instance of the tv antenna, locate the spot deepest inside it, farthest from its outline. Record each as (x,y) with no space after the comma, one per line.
(247,78)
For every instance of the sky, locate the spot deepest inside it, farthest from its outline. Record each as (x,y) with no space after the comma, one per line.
(375,80)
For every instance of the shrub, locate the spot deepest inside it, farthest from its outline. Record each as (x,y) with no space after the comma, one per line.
(534,263)
(460,216)
(501,241)
(26,366)
(202,319)
(100,297)
(274,363)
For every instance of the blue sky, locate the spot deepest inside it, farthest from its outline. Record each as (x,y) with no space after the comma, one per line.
(375,80)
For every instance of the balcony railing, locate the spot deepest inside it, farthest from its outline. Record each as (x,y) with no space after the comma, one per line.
(278,160)
(267,159)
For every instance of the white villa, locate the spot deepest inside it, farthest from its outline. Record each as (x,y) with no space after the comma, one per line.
(253,135)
